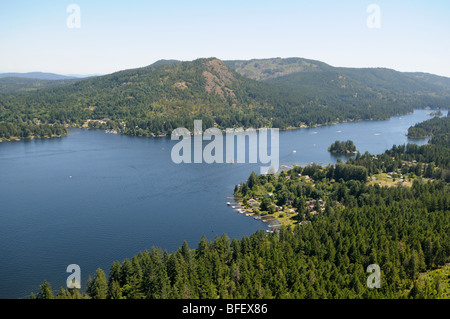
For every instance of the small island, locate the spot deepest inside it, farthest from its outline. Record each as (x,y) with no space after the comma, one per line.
(436,113)
(342,148)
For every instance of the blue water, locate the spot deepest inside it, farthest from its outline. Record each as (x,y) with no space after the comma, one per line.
(92,198)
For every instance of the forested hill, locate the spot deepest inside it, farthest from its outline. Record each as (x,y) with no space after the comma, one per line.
(265,69)
(154,100)
(375,78)
(436,125)
(363,86)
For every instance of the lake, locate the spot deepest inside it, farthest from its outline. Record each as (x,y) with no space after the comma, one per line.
(92,198)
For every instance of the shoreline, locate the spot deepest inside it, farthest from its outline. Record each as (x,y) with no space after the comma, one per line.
(269,221)
(154,135)
(17,139)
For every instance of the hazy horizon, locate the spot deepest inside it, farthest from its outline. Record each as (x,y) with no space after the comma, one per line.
(102,74)
(104,37)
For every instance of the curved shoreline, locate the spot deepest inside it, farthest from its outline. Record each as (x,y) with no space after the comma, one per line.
(152,134)
(17,139)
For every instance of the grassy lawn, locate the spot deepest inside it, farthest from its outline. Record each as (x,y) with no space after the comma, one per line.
(285,219)
(383,180)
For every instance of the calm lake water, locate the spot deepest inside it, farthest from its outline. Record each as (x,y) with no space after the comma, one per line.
(92,198)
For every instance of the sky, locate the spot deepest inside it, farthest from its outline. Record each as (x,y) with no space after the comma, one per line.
(109,36)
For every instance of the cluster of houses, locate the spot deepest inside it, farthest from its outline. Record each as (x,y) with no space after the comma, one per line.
(253,204)
(311,206)
(400,180)
(306,177)
(390,175)
(102,121)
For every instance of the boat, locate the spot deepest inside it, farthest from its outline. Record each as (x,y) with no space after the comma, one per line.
(228,203)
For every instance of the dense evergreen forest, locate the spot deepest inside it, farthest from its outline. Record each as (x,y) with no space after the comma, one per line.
(325,252)
(156,99)
(427,128)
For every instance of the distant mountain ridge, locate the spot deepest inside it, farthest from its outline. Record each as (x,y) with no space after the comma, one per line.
(21,84)
(31,81)
(431,78)
(36,75)
(271,69)
(166,62)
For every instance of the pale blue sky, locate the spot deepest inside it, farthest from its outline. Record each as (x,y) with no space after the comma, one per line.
(117,35)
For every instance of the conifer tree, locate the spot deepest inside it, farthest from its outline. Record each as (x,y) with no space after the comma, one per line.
(97,288)
(45,291)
